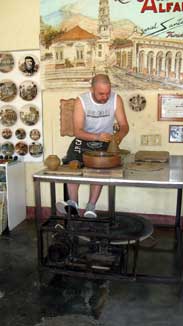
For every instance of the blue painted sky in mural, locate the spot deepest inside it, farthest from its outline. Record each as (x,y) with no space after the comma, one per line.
(54,11)
(87,7)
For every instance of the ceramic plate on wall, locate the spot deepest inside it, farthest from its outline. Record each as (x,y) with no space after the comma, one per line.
(28,65)
(8,116)
(7,148)
(20,133)
(29,114)
(8,90)
(6,62)
(35,134)
(6,133)
(21,148)
(137,102)
(28,90)
(36,149)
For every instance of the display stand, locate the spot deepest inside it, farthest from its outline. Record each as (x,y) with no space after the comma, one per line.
(13,194)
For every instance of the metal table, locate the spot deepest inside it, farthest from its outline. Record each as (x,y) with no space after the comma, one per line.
(171,176)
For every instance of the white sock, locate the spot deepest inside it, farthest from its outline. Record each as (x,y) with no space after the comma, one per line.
(71,202)
(90,207)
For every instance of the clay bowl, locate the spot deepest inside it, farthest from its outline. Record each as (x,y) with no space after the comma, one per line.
(101,160)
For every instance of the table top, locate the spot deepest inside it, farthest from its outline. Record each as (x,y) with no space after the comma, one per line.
(169,176)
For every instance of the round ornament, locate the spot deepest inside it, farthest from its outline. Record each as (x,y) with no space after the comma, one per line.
(137,102)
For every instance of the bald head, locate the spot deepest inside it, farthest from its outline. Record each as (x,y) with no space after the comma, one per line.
(100,78)
(101,88)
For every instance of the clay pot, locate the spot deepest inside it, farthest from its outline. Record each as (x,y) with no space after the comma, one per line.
(52,162)
(101,160)
(114,145)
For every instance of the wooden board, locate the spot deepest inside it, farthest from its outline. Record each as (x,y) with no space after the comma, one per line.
(113,172)
(152,156)
(64,169)
(66,117)
(145,166)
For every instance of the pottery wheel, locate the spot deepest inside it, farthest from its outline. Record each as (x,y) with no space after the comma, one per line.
(127,227)
(130,227)
(145,166)
(100,154)
(101,159)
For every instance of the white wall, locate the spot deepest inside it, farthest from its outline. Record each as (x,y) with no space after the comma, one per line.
(19,25)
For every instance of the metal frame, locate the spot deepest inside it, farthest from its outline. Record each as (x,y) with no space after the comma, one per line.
(172,180)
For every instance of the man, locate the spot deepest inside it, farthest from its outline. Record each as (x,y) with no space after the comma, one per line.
(29,66)
(93,119)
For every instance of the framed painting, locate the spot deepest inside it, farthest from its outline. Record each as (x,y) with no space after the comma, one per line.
(170,107)
(175,134)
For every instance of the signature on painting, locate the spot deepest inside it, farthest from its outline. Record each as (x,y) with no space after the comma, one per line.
(165,26)
(173,34)
(123,1)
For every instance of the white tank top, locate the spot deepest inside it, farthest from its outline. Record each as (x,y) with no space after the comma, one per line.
(98,117)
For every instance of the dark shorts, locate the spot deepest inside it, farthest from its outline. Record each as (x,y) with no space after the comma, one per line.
(78,147)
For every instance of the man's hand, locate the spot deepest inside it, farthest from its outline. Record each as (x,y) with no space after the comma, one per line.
(105,137)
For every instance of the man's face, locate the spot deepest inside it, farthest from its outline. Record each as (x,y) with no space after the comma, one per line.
(28,63)
(101,92)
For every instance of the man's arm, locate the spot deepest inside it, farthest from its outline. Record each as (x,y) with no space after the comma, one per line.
(121,120)
(78,123)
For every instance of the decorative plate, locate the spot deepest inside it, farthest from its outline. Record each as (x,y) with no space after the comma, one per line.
(28,90)
(28,65)
(6,62)
(8,90)
(35,134)
(21,148)
(8,116)
(36,149)
(6,133)
(20,133)
(29,115)
(7,148)
(137,103)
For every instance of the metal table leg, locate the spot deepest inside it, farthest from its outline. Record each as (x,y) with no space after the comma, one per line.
(178,233)
(38,214)
(53,198)
(111,203)
(66,194)
(178,207)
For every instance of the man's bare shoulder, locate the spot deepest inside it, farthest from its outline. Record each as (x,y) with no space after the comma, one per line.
(77,101)
(119,97)
(119,100)
(78,107)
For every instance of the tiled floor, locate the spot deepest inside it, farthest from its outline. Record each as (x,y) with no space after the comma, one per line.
(66,301)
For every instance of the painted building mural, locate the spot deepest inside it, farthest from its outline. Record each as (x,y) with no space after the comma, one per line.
(139,43)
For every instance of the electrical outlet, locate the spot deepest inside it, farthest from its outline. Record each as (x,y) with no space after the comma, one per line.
(144,140)
(157,140)
(151,140)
